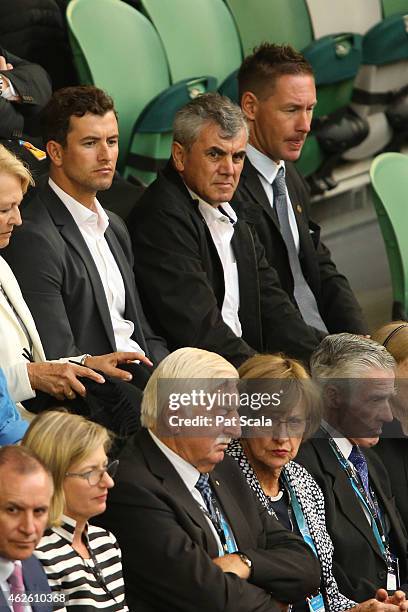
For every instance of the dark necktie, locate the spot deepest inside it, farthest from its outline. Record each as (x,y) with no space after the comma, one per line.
(359,461)
(304,297)
(204,487)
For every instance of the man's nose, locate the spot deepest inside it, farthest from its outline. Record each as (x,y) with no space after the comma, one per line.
(227,165)
(304,120)
(27,524)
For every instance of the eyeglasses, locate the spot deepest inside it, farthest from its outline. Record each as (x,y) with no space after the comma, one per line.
(94,477)
(295,426)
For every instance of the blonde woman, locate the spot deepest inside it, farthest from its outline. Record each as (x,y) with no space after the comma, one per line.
(82,562)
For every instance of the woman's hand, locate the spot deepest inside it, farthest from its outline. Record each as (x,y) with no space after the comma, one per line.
(108,363)
(60,379)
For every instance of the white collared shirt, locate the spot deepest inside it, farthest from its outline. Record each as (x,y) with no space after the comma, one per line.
(189,475)
(6,569)
(345,447)
(221,228)
(92,226)
(267,170)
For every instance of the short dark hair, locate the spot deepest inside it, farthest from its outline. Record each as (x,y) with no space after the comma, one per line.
(72,102)
(21,460)
(260,70)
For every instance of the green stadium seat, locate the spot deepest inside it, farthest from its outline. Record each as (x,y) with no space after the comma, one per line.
(391,7)
(389,180)
(116,48)
(199,37)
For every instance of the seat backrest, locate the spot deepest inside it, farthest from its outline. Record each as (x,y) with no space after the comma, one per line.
(116,48)
(199,37)
(356,16)
(389,180)
(278,21)
(390,7)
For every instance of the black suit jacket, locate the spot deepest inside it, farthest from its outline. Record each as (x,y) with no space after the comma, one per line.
(358,564)
(337,305)
(62,286)
(182,281)
(33,84)
(35,582)
(167,544)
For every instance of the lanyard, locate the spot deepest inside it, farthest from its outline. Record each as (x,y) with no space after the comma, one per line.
(299,516)
(371,506)
(221,527)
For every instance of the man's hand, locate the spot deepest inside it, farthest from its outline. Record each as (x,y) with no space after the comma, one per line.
(232,563)
(394,603)
(108,363)
(60,379)
(5,65)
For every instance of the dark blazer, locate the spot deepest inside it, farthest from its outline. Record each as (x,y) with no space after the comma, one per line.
(33,84)
(35,582)
(358,564)
(337,305)
(61,284)
(182,282)
(167,545)
(393,452)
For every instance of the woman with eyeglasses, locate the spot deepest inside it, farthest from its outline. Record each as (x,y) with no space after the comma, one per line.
(266,452)
(82,562)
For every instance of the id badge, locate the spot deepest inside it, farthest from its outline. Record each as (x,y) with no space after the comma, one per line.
(393,574)
(316,603)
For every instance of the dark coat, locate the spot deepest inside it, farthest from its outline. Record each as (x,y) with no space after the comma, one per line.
(336,302)
(182,282)
(62,286)
(358,564)
(36,583)
(33,85)
(167,544)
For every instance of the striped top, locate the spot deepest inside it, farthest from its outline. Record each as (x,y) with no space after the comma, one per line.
(88,584)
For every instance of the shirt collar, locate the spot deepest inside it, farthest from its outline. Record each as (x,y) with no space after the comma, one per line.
(6,569)
(212,214)
(264,164)
(83,217)
(67,529)
(187,472)
(345,446)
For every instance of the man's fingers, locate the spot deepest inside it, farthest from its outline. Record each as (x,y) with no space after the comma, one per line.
(10,66)
(3,63)
(88,373)
(124,357)
(381,595)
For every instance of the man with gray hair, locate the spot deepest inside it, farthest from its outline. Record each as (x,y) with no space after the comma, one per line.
(191,533)
(203,274)
(356,376)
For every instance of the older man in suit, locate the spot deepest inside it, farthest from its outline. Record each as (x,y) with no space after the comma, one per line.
(192,535)
(73,260)
(370,543)
(26,489)
(278,94)
(201,268)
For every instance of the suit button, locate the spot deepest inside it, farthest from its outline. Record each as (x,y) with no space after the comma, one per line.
(382,574)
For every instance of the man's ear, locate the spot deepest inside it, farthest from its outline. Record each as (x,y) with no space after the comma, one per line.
(249,105)
(54,150)
(178,155)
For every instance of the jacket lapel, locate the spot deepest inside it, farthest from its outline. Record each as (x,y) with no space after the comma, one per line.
(162,468)
(253,186)
(232,513)
(71,235)
(346,499)
(14,295)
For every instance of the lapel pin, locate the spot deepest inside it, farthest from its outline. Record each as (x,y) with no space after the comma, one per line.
(217,483)
(298,208)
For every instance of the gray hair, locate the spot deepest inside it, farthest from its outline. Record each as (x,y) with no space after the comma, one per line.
(208,108)
(185,363)
(348,356)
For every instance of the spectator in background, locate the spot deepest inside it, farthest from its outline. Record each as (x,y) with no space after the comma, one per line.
(202,271)
(267,459)
(191,532)
(277,93)
(73,261)
(393,445)
(25,495)
(356,376)
(36,30)
(82,562)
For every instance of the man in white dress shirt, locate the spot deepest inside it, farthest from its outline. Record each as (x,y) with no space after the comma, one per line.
(73,259)
(200,266)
